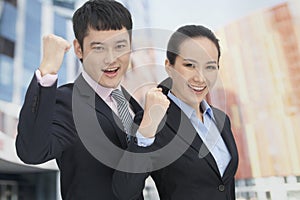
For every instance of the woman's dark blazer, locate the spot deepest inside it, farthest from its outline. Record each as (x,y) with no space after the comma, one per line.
(193,174)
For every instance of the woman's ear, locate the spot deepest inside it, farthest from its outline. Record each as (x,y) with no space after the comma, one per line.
(77,49)
(168,67)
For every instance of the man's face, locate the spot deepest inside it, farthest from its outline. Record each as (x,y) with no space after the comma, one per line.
(105,55)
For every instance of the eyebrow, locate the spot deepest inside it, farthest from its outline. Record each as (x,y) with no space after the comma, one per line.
(207,63)
(211,62)
(189,60)
(120,41)
(101,43)
(96,43)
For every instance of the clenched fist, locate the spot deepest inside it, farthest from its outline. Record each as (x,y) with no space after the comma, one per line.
(156,105)
(54,49)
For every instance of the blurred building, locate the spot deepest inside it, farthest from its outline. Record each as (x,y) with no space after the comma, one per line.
(260,72)
(22,24)
(259,67)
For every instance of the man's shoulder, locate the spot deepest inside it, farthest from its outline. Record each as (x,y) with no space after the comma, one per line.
(66,87)
(65,91)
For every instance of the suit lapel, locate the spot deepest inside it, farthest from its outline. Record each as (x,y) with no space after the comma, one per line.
(226,133)
(134,105)
(91,97)
(190,135)
(97,103)
(181,125)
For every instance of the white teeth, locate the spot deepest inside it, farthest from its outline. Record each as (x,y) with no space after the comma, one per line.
(196,88)
(111,69)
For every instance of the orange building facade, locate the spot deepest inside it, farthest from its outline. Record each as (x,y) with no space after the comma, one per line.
(260,83)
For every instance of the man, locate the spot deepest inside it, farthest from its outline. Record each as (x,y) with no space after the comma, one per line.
(54,122)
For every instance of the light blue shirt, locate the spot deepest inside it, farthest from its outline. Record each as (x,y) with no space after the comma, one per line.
(207,131)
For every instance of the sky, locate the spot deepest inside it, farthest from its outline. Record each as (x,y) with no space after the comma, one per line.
(166,16)
(170,14)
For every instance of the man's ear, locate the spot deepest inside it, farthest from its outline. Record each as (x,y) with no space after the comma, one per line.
(77,49)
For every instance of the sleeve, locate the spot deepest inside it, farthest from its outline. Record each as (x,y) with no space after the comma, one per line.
(137,164)
(143,141)
(46,81)
(134,183)
(45,125)
(129,179)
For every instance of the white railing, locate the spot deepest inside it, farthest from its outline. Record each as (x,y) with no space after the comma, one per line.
(270,188)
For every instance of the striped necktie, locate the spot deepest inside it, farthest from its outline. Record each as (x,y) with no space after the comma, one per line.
(123,110)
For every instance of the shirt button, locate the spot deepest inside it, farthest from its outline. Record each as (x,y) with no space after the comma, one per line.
(221,188)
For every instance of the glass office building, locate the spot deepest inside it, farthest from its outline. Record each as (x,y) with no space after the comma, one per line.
(260,75)
(22,25)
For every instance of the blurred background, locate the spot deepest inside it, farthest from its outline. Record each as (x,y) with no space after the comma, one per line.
(258,87)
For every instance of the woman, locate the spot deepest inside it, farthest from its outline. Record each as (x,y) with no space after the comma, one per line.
(194,155)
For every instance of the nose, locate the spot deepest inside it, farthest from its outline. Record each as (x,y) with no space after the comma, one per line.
(109,57)
(199,76)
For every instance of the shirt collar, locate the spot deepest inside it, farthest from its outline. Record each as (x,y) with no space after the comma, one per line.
(188,110)
(206,109)
(102,91)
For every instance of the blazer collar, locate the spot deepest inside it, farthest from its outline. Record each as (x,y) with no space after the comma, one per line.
(85,90)
(90,97)
(226,133)
(181,125)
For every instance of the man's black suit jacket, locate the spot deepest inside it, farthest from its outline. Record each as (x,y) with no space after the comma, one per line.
(190,171)
(47,130)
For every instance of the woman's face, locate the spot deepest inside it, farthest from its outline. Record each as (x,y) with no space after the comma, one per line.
(195,70)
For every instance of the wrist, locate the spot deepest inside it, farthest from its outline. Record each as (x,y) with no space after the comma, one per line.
(45,72)
(147,132)
(47,80)
(47,68)
(148,128)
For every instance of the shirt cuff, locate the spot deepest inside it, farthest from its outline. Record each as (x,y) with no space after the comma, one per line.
(143,141)
(47,80)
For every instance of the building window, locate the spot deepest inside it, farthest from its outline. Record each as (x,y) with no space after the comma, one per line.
(285,179)
(246,195)
(8,20)
(64,3)
(7,47)
(268,195)
(6,78)
(250,182)
(12,2)
(8,189)
(1,121)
